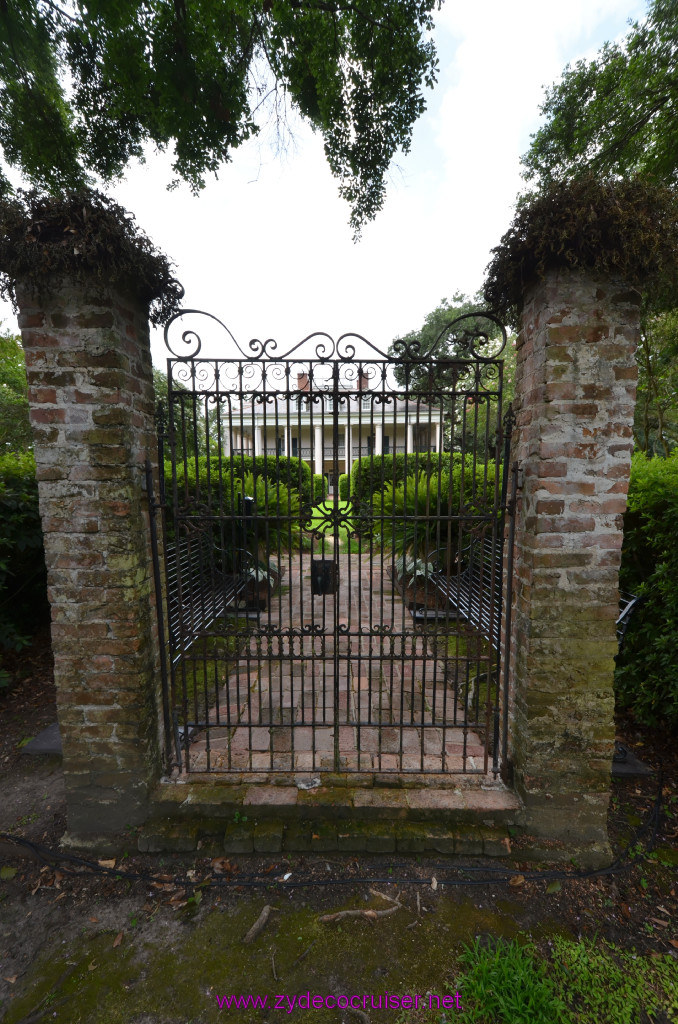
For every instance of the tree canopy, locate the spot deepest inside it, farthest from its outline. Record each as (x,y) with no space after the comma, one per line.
(435,341)
(618,113)
(655,427)
(85,85)
(438,344)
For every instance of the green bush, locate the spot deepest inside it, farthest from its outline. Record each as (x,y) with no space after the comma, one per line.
(370,475)
(424,516)
(215,498)
(343,487)
(214,487)
(646,680)
(23,577)
(276,526)
(319,487)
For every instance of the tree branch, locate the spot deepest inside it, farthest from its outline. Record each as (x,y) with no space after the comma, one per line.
(60,11)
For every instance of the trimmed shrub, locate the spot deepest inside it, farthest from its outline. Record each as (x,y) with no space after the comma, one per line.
(370,477)
(214,487)
(218,490)
(646,680)
(423,517)
(319,487)
(343,487)
(23,576)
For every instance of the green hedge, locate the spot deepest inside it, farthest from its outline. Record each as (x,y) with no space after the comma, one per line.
(319,487)
(646,680)
(289,470)
(23,577)
(343,487)
(370,477)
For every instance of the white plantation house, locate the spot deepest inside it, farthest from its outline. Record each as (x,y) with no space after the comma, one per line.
(306,424)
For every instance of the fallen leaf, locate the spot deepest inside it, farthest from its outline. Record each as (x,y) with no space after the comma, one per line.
(93,966)
(517,880)
(507,843)
(674,943)
(434,883)
(117,940)
(12,979)
(658,920)
(94,920)
(6,873)
(553,887)
(222,864)
(626,910)
(107,863)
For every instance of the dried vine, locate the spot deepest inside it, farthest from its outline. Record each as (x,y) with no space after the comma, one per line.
(82,236)
(623,227)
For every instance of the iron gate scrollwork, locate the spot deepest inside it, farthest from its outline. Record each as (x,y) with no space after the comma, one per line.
(385,475)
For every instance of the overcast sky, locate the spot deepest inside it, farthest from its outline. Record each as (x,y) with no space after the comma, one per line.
(267,247)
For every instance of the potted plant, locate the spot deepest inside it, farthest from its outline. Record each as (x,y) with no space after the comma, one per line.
(412,577)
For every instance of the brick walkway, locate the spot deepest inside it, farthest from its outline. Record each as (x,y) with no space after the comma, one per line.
(395,711)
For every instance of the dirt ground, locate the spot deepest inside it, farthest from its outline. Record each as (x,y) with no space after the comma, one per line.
(159,940)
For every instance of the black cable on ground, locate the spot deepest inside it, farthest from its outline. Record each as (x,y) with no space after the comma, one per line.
(492,875)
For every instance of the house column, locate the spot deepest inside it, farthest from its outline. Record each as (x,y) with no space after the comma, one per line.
(318,453)
(257,441)
(347,449)
(379,439)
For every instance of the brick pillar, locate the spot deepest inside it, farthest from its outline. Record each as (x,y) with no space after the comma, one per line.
(91,395)
(575,388)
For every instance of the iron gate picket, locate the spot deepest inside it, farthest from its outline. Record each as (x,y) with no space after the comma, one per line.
(302,631)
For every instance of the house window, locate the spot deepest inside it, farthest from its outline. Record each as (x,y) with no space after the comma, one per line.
(387,444)
(295,446)
(280,445)
(370,444)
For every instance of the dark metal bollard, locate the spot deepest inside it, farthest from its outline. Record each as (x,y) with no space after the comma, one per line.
(324,576)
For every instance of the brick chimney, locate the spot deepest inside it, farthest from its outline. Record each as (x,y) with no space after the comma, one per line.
(303,383)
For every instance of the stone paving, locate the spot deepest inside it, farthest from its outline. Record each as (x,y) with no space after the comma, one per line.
(396,712)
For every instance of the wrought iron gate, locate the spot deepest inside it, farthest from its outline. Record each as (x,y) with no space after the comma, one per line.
(360,630)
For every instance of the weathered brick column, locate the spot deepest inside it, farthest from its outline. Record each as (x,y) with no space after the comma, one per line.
(575,387)
(91,394)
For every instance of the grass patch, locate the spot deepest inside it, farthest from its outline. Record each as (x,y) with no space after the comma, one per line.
(320,522)
(509,982)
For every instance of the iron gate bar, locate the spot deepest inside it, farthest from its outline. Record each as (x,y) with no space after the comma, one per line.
(267,688)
